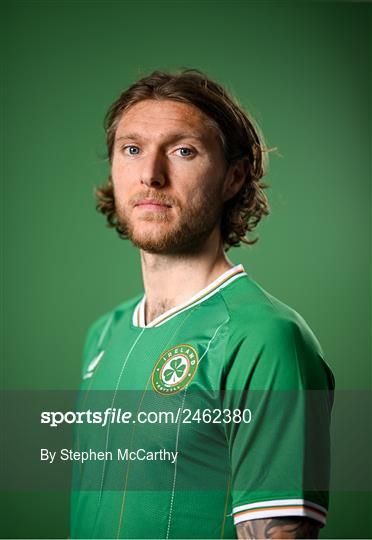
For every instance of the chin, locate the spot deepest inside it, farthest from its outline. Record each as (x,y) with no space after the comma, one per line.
(168,237)
(169,244)
(153,244)
(153,237)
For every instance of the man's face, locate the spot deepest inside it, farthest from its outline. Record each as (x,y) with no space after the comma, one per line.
(168,169)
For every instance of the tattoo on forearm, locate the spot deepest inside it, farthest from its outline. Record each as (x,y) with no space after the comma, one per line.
(292,527)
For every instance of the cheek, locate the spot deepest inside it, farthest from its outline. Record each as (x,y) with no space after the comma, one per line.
(122,178)
(198,179)
(207,185)
(118,171)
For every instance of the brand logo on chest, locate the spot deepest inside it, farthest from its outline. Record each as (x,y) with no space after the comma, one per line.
(174,369)
(93,364)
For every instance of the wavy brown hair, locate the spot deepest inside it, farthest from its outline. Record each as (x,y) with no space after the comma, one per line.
(240,137)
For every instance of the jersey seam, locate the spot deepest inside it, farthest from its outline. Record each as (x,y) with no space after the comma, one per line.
(223,374)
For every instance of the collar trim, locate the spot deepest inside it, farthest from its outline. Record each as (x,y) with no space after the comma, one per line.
(222,281)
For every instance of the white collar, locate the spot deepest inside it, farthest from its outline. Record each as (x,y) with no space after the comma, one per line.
(222,281)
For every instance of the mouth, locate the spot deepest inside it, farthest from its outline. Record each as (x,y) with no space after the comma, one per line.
(151,204)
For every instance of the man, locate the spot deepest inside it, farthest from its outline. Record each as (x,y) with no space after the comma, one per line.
(247,452)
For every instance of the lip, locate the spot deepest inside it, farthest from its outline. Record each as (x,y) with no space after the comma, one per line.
(151,203)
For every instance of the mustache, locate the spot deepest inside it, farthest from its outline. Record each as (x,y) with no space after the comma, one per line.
(158,197)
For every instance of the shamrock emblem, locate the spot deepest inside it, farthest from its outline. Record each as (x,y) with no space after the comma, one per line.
(175,371)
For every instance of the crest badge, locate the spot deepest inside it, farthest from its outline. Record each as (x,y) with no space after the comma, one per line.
(174,369)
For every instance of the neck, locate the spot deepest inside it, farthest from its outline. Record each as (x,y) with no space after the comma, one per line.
(170,280)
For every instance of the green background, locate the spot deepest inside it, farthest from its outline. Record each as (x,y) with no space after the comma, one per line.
(301,68)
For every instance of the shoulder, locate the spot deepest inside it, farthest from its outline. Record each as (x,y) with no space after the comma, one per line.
(266,336)
(100,329)
(254,312)
(110,318)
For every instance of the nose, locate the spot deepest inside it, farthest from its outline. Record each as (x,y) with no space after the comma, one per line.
(153,173)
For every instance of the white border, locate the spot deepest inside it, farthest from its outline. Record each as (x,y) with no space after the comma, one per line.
(256,510)
(138,318)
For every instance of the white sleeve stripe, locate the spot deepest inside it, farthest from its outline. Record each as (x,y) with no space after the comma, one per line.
(279,512)
(280,502)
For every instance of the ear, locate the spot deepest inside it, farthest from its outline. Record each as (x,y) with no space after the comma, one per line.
(235,178)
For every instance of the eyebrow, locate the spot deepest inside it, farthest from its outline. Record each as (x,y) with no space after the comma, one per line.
(172,137)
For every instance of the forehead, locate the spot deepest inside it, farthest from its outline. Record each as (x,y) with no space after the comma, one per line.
(152,117)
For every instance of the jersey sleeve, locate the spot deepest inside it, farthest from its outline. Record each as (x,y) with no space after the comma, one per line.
(279,450)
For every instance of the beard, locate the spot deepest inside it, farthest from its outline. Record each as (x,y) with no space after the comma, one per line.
(185,234)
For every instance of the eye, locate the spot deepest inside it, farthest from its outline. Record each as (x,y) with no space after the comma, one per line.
(185,152)
(131,150)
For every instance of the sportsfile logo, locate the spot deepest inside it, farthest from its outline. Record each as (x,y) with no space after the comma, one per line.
(120,416)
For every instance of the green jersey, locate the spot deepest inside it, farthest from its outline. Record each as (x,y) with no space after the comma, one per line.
(228,398)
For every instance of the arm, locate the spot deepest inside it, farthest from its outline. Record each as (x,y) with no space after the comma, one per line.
(282,527)
(280,462)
